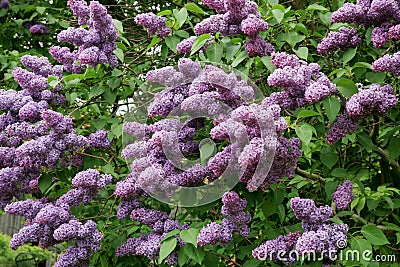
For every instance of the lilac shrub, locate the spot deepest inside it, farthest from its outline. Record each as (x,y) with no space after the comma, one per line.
(301,83)
(375,100)
(95,44)
(49,223)
(235,221)
(34,136)
(319,236)
(148,244)
(234,17)
(206,92)
(383,16)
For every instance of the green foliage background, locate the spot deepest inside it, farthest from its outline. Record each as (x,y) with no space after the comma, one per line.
(99,98)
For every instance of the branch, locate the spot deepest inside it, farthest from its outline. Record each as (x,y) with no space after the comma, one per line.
(364,221)
(394,164)
(308,175)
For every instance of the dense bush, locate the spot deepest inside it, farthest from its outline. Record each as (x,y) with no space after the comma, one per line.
(294,119)
(7,255)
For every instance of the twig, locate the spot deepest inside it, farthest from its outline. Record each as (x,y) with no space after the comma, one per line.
(394,164)
(309,175)
(364,221)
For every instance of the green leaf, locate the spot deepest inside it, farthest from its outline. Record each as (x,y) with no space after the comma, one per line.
(116,72)
(361,245)
(199,42)
(116,129)
(196,254)
(332,107)
(366,141)
(120,54)
(194,8)
(109,96)
(307,113)
(330,188)
(182,257)
(206,151)
(211,260)
(362,65)
(316,7)
(231,51)
(374,235)
(181,16)
(182,33)
(361,204)
(64,24)
(214,52)
(153,42)
(252,263)
(278,15)
(164,12)
(394,148)
(169,234)
(302,52)
(240,57)
(172,41)
(267,63)
(293,38)
(45,182)
(346,87)
(375,77)
(329,159)
(114,82)
(40,9)
(96,90)
(325,18)
(166,248)
(118,25)
(103,261)
(304,132)
(349,54)
(190,236)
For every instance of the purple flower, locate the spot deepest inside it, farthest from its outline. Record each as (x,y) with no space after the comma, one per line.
(153,23)
(343,195)
(343,39)
(39,29)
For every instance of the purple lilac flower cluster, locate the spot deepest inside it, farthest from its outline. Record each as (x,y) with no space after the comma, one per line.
(302,83)
(343,39)
(319,235)
(32,136)
(39,29)
(235,221)
(343,195)
(388,63)
(245,122)
(376,99)
(384,16)
(51,223)
(234,17)
(154,24)
(279,249)
(206,92)
(149,244)
(4,4)
(95,44)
